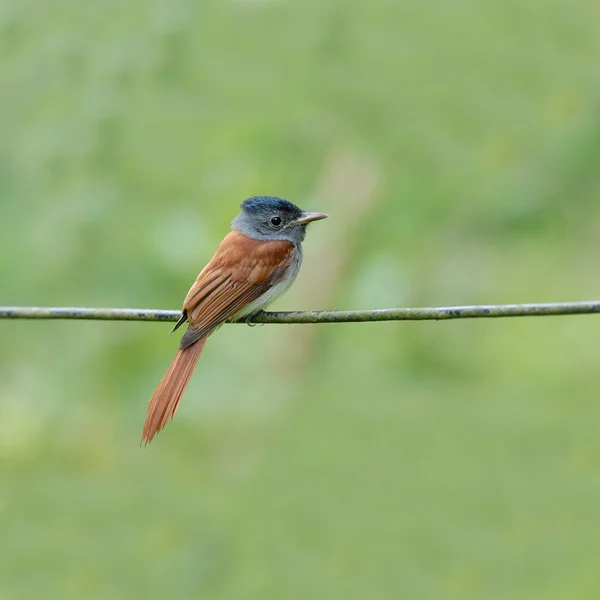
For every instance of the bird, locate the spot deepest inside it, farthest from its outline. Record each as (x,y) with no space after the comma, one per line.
(257,261)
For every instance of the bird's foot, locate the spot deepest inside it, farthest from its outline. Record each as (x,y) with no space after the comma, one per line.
(250,318)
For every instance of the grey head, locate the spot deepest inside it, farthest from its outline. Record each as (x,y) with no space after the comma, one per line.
(269,218)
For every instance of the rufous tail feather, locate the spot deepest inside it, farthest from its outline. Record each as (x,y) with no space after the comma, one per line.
(164,401)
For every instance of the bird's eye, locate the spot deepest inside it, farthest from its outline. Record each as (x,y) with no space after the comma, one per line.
(275,221)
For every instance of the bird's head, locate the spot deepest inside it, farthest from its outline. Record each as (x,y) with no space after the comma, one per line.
(269,218)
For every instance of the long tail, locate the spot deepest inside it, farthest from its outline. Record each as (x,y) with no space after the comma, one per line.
(164,401)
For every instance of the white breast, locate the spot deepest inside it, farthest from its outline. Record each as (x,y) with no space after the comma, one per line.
(278,289)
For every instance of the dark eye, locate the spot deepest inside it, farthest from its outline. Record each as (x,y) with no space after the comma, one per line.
(275,221)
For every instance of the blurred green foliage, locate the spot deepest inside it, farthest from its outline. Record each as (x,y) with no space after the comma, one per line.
(456,146)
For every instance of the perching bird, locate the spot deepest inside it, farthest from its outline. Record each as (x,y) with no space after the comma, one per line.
(255,263)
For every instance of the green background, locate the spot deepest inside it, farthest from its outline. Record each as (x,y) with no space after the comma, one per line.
(456,147)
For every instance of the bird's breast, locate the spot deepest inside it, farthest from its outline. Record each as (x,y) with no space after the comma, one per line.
(279,288)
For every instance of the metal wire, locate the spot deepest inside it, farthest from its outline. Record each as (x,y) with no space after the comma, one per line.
(319,316)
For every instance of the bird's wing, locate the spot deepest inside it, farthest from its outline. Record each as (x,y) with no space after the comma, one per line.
(241,271)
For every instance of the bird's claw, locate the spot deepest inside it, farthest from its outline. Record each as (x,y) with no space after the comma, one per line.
(249,320)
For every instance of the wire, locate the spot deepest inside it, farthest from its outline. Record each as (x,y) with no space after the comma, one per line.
(318,316)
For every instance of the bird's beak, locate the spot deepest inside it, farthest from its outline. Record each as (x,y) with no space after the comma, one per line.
(309,217)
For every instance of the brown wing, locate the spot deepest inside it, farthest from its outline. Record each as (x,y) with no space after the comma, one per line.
(241,271)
